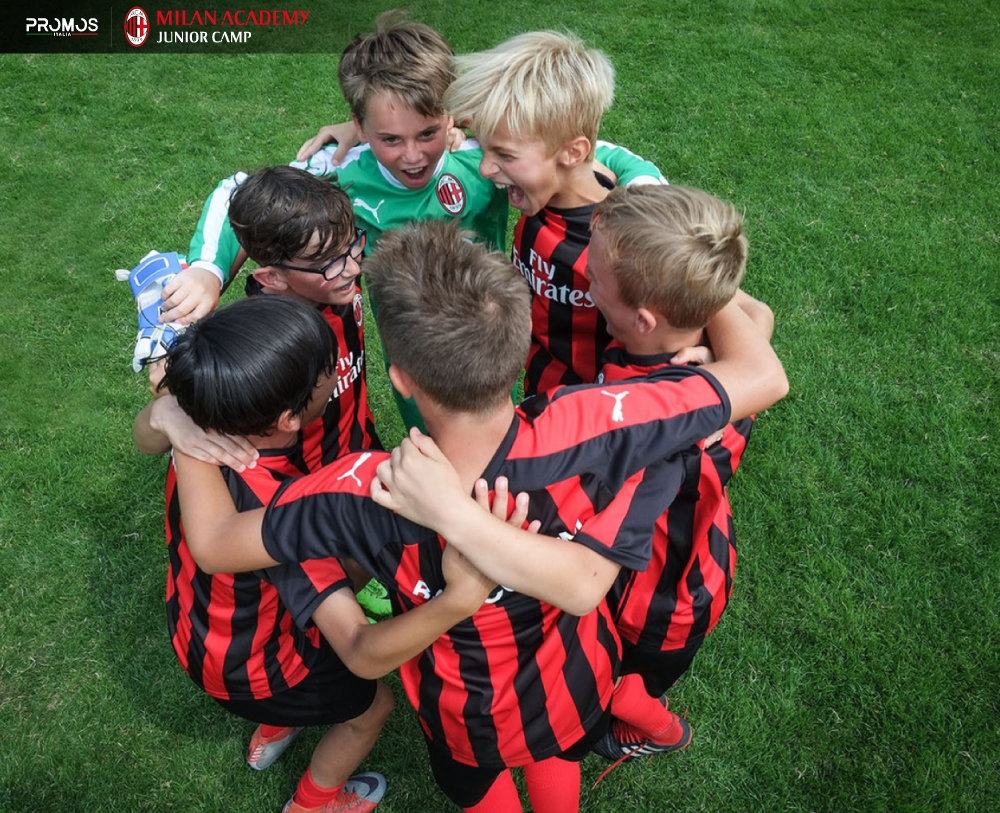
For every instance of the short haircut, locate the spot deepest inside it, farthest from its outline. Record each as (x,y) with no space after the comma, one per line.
(676,250)
(239,368)
(404,59)
(276,211)
(455,317)
(541,85)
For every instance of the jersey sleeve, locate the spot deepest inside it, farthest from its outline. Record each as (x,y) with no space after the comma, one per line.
(631,169)
(303,587)
(623,530)
(329,513)
(214,245)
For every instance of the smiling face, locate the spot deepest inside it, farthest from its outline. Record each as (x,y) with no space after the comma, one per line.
(526,167)
(405,142)
(315,287)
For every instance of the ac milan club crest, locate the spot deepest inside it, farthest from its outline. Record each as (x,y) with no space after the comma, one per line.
(136,26)
(450,194)
(359,313)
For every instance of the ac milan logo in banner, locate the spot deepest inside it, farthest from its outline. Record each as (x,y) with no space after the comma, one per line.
(450,194)
(136,26)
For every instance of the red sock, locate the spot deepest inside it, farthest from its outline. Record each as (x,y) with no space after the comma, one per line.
(634,706)
(268,731)
(309,794)
(647,715)
(554,785)
(501,798)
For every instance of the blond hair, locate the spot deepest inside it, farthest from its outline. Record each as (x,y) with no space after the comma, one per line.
(542,85)
(407,60)
(453,316)
(678,251)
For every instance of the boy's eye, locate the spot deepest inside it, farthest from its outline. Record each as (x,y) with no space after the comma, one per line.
(505,156)
(428,134)
(389,139)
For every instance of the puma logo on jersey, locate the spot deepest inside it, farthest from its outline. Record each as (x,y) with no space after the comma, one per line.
(363,205)
(354,468)
(616,414)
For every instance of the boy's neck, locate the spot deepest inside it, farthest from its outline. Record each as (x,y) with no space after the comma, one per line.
(468,440)
(662,340)
(578,187)
(276,440)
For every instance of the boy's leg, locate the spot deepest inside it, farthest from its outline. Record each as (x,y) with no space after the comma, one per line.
(474,789)
(346,744)
(500,798)
(554,785)
(642,725)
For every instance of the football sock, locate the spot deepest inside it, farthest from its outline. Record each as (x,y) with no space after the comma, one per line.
(501,798)
(631,704)
(309,794)
(269,731)
(554,785)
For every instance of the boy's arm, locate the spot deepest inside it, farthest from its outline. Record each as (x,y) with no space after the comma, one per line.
(746,365)
(163,425)
(373,650)
(628,168)
(212,259)
(419,483)
(220,538)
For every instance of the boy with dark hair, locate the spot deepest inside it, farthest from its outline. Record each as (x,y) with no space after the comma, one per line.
(523,682)
(535,104)
(232,633)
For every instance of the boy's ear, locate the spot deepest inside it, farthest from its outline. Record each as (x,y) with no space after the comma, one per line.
(288,422)
(646,321)
(271,278)
(401,382)
(357,126)
(575,152)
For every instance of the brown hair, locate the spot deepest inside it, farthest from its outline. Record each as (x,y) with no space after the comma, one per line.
(676,250)
(404,59)
(276,211)
(453,316)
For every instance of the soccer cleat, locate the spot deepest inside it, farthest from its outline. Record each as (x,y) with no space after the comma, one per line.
(624,742)
(360,794)
(374,598)
(264,751)
(147,280)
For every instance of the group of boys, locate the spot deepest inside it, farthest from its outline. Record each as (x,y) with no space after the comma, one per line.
(544,596)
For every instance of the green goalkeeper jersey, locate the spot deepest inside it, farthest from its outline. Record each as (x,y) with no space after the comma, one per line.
(457,191)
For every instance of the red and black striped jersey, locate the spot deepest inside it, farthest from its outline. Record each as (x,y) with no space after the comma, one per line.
(232,633)
(568,332)
(520,680)
(680,597)
(350,427)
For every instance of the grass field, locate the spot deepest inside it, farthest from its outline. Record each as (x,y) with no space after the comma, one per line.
(857,666)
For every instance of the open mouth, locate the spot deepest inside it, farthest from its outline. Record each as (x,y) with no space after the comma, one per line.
(515,195)
(416,175)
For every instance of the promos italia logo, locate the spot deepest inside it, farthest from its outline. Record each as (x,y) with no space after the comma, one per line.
(136,26)
(61,26)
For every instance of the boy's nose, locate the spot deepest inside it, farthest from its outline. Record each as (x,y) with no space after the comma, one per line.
(487,168)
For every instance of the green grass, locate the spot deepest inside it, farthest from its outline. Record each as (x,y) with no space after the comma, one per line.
(857,667)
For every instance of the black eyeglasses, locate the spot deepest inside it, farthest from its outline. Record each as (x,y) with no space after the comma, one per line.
(336,266)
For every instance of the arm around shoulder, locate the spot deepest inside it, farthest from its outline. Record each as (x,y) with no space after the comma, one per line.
(746,365)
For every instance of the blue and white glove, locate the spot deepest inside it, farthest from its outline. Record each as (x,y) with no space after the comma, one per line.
(147,280)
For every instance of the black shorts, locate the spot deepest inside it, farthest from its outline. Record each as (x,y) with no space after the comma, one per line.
(467,785)
(329,694)
(660,669)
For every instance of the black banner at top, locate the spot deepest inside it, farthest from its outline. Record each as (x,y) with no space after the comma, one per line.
(167,26)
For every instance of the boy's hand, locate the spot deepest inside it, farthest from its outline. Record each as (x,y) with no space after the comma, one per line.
(501,504)
(693,355)
(456,138)
(464,584)
(418,482)
(345,135)
(193,293)
(186,437)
